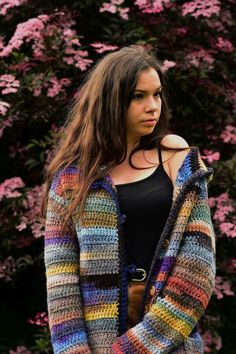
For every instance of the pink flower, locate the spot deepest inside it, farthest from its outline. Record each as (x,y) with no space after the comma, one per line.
(9,83)
(21,226)
(222,287)
(6,123)
(7,4)
(211,156)
(224,45)
(41,319)
(53,85)
(28,31)
(9,186)
(124,13)
(211,340)
(32,214)
(109,8)
(229,229)
(167,64)
(37,30)
(76,56)
(56,86)
(114,6)
(4,106)
(205,8)
(229,134)
(20,350)
(197,57)
(155,6)
(223,206)
(102,47)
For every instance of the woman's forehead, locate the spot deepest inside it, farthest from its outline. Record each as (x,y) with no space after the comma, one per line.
(148,79)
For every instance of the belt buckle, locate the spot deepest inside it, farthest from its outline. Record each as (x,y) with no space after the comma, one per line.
(144,274)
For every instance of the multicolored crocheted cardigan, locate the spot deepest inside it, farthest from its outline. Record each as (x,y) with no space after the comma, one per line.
(87,272)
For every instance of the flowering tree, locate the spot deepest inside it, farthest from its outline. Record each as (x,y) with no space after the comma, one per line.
(45,51)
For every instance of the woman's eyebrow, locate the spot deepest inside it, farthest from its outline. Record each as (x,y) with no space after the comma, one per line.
(140,90)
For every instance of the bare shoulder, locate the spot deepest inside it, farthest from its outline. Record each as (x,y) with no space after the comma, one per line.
(176,157)
(174,141)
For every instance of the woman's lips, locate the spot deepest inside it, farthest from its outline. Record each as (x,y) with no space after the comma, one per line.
(149,122)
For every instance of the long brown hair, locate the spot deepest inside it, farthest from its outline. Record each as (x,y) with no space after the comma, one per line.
(94,137)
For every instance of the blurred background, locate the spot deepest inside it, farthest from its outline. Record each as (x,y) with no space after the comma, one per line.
(46,48)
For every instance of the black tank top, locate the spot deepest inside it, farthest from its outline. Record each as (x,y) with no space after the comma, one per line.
(146,204)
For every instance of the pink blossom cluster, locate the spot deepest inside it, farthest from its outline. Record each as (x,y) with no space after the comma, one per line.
(211,341)
(7,268)
(229,228)
(8,4)
(73,54)
(32,214)
(6,123)
(197,57)
(102,47)
(57,85)
(53,85)
(41,319)
(20,350)
(26,65)
(223,207)
(210,156)
(222,288)
(114,6)
(229,134)
(155,6)
(205,8)
(4,106)
(224,45)
(77,58)
(167,64)
(8,84)
(36,30)
(8,188)
(28,31)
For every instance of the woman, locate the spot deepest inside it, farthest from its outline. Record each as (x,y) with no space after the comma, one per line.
(129,243)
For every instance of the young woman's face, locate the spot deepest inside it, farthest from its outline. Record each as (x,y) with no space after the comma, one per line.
(145,107)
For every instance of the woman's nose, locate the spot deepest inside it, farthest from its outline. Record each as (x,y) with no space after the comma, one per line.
(152,104)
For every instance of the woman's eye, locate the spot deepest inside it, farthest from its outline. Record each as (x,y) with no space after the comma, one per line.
(138,96)
(158,94)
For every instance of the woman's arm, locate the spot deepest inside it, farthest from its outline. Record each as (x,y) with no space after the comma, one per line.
(185,296)
(62,271)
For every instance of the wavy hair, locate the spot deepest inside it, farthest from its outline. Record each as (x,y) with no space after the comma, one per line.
(94,136)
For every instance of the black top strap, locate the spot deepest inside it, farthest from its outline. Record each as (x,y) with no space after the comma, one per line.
(160,157)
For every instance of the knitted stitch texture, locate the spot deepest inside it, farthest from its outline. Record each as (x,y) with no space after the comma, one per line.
(87,273)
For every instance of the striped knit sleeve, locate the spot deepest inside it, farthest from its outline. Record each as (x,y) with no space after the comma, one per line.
(174,313)
(61,254)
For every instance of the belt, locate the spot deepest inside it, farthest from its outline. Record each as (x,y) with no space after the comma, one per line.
(136,274)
